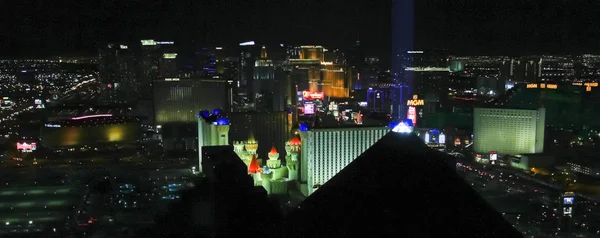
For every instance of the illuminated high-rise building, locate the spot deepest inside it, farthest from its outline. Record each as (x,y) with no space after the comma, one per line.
(178,101)
(213,130)
(311,52)
(147,67)
(327,151)
(508,131)
(247,57)
(117,72)
(264,82)
(168,67)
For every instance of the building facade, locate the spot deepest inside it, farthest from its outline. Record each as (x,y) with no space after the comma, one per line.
(213,130)
(180,101)
(327,151)
(509,131)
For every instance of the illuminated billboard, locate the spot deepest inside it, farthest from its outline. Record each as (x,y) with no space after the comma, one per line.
(313,95)
(309,108)
(569,200)
(415,101)
(412,115)
(26,147)
(568,211)
(493,156)
(170,55)
(148,42)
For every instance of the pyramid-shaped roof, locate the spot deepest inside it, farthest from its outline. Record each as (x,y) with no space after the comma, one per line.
(253,167)
(397,188)
(273,150)
(295,141)
(251,139)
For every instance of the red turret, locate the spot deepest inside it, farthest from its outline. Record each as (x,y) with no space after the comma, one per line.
(253,167)
(273,150)
(295,141)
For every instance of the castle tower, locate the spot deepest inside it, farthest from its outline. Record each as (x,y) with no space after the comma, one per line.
(273,161)
(291,162)
(292,166)
(254,168)
(238,146)
(266,176)
(251,144)
(288,148)
(295,144)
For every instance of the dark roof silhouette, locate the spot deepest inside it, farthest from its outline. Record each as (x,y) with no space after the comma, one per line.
(397,188)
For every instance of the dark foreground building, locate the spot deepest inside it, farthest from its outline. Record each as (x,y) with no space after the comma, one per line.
(397,188)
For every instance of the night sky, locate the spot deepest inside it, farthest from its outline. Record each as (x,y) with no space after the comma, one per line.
(35,27)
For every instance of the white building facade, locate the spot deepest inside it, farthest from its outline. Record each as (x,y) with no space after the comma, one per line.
(508,131)
(327,151)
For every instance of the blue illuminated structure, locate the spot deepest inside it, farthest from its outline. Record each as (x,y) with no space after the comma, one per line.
(204,114)
(222,121)
(408,122)
(303,127)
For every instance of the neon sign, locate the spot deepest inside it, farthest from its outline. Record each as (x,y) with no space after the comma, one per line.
(532,85)
(412,115)
(313,95)
(26,147)
(91,116)
(415,101)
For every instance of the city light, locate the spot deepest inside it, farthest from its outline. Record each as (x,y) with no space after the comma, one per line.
(148,42)
(247,43)
(170,55)
(427,69)
(402,128)
(91,116)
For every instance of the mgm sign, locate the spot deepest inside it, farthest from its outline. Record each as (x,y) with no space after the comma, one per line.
(415,101)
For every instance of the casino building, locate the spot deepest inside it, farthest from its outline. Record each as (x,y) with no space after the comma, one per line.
(90,131)
(326,151)
(509,131)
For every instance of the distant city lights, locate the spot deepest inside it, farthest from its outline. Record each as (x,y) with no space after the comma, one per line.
(91,116)
(247,43)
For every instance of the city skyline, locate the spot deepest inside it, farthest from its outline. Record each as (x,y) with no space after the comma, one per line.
(480,28)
